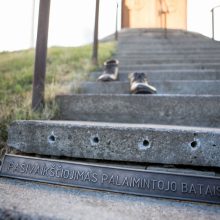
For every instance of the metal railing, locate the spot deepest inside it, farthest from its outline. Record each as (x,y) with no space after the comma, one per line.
(116,22)
(96,30)
(213,21)
(95,39)
(164,10)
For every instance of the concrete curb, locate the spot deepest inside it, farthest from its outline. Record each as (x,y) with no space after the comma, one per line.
(211,87)
(119,142)
(155,109)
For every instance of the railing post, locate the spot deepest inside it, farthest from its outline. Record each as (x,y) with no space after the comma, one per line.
(213,25)
(163,16)
(165,24)
(95,41)
(213,21)
(32,25)
(116,23)
(41,56)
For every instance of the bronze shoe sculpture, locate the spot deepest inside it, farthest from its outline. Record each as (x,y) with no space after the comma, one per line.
(110,71)
(139,84)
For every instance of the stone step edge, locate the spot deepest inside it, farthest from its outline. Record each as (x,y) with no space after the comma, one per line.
(196,64)
(164,73)
(201,87)
(190,110)
(163,144)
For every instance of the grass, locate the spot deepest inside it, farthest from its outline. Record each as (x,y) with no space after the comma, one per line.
(64,65)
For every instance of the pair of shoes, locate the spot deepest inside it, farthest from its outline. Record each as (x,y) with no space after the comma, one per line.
(138,80)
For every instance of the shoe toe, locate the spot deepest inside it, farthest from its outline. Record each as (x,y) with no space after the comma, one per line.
(141,88)
(105,78)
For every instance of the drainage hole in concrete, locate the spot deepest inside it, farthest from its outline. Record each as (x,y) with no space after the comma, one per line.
(52,138)
(146,143)
(96,140)
(194,144)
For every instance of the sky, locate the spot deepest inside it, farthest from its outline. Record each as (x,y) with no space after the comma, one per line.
(72,21)
(199,17)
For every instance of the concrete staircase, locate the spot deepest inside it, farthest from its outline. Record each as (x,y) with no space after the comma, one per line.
(178,127)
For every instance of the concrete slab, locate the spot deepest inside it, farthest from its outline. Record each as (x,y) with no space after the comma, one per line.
(170,66)
(155,109)
(154,54)
(141,57)
(209,87)
(147,43)
(167,61)
(174,57)
(169,51)
(153,75)
(158,144)
(162,41)
(42,201)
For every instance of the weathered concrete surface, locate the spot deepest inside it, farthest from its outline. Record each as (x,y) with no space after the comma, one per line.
(148,54)
(10,213)
(167,45)
(193,52)
(44,201)
(167,60)
(202,87)
(174,57)
(119,142)
(168,41)
(154,75)
(155,109)
(169,66)
(140,42)
(174,47)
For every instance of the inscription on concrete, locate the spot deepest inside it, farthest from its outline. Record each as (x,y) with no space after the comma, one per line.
(130,181)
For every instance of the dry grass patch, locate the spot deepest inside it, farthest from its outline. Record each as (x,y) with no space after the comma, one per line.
(64,66)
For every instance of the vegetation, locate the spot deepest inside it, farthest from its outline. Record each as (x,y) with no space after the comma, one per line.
(64,66)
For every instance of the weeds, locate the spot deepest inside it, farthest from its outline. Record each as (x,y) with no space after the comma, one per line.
(64,66)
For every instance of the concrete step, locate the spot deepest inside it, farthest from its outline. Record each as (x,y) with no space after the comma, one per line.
(177,47)
(170,66)
(158,144)
(186,110)
(167,49)
(167,60)
(169,41)
(163,87)
(171,49)
(167,53)
(168,45)
(164,46)
(159,34)
(153,52)
(21,200)
(178,74)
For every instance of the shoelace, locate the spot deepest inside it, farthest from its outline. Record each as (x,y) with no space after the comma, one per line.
(110,69)
(139,77)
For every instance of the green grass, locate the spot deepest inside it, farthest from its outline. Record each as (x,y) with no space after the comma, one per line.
(64,65)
